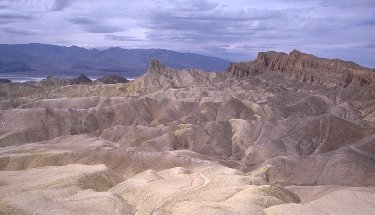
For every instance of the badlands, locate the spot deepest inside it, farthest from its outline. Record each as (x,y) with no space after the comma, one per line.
(284,134)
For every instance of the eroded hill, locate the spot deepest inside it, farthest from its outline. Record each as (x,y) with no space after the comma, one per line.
(287,133)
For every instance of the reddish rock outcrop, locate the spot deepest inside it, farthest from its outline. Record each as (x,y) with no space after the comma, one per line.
(306,68)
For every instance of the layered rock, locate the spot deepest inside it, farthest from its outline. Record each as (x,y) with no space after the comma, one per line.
(306,68)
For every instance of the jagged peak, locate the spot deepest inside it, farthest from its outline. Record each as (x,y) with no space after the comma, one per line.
(295,52)
(156,66)
(83,77)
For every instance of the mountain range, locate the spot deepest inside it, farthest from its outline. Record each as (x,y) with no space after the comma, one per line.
(42,59)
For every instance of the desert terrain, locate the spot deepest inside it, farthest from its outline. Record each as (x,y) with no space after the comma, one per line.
(284,134)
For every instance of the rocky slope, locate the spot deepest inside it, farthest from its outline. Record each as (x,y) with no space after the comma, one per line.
(256,140)
(306,68)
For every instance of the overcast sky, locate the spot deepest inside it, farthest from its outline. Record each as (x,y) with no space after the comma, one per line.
(234,30)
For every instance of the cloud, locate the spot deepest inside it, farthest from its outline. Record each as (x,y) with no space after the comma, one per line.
(11,17)
(83,21)
(100,28)
(18,31)
(257,47)
(94,26)
(219,48)
(36,5)
(192,5)
(370,46)
(348,3)
(59,5)
(368,20)
(212,25)
(122,38)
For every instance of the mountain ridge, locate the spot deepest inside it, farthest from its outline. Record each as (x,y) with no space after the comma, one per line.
(305,68)
(47,59)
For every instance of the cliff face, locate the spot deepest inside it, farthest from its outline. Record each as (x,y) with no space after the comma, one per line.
(240,70)
(306,68)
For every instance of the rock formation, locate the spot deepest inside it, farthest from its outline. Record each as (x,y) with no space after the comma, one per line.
(112,79)
(259,139)
(306,68)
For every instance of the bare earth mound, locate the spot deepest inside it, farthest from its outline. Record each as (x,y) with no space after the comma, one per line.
(284,134)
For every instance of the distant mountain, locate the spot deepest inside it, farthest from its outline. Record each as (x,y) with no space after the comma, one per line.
(13,65)
(45,59)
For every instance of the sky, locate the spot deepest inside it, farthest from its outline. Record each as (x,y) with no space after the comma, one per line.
(235,30)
